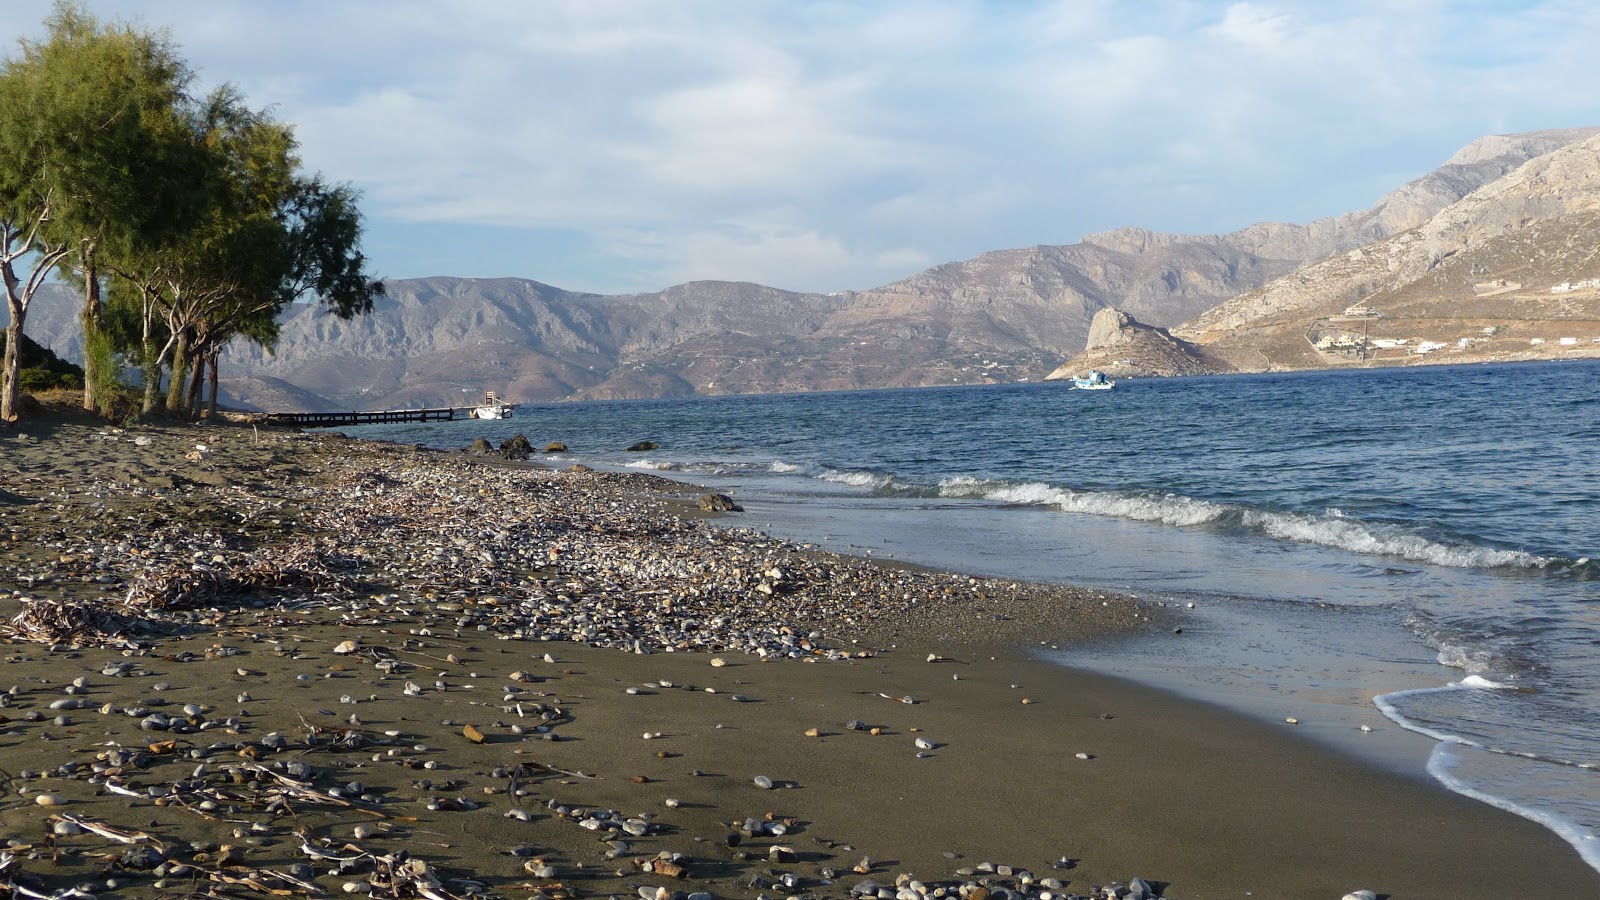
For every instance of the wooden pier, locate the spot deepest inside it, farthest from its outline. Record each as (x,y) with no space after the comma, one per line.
(371,417)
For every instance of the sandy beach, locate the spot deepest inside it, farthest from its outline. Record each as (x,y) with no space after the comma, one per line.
(249,661)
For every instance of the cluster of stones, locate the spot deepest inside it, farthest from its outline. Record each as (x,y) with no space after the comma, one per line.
(518,552)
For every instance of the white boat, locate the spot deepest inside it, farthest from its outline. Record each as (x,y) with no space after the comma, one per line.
(1096,380)
(492,408)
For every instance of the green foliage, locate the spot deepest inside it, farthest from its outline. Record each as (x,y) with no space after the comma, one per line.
(35,380)
(100,347)
(197,207)
(89,125)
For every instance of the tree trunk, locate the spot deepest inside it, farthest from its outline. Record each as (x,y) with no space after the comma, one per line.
(91,324)
(211,407)
(152,375)
(197,378)
(182,358)
(8,368)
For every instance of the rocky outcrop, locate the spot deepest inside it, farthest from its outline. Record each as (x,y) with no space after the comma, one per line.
(1122,347)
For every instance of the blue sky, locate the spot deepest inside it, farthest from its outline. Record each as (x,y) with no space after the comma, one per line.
(615,146)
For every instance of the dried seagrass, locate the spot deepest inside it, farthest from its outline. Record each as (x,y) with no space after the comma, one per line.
(57,621)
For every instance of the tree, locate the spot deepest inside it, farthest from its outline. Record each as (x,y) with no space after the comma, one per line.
(94,158)
(268,236)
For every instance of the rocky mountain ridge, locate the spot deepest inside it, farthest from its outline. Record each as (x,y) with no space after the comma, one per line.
(1483,278)
(1006,315)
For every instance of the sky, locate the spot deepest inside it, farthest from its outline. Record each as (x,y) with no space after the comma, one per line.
(621,146)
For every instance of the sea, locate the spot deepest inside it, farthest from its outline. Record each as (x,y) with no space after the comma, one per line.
(1405,562)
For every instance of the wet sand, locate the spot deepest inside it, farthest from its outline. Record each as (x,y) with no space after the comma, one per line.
(1201,802)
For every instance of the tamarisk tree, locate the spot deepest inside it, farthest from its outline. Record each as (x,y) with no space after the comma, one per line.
(269,234)
(94,160)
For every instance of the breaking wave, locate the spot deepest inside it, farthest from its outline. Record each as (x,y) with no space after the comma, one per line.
(873,481)
(1331,529)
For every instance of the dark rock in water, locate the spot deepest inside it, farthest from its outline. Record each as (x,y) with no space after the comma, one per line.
(481,447)
(642,446)
(555,447)
(516,448)
(719,503)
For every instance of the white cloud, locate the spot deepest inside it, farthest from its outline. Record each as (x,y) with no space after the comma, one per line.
(832,145)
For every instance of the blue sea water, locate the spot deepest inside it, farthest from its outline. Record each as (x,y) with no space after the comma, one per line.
(1422,543)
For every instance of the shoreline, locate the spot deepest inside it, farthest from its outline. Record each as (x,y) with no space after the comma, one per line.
(1184,794)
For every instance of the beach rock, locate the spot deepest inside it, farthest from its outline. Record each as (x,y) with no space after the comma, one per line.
(1360,895)
(555,447)
(516,448)
(779,853)
(642,446)
(480,447)
(719,503)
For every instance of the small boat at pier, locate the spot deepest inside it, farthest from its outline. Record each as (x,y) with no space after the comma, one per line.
(492,408)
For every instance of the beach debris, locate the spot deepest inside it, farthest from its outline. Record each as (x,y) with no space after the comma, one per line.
(1360,895)
(473,734)
(763,782)
(1084,755)
(924,744)
(1292,720)
(120,835)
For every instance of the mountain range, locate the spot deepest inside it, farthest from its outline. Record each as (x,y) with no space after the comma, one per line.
(1519,209)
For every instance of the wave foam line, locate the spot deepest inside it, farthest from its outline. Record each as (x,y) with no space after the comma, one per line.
(872,480)
(1168,509)
(1584,840)
(1385,705)
(1441,762)
(1333,529)
(654,465)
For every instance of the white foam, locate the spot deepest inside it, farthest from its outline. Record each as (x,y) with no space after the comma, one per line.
(856,479)
(656,465)
(779,467)
(1167,509)
(1359,537)
(1442,760)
